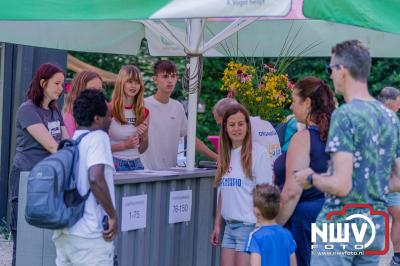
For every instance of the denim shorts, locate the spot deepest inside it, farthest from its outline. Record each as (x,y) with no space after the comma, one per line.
(236,234)
(393,199)
(127,165)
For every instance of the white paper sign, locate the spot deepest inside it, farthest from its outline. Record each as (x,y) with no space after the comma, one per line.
(134,212)
(180,206)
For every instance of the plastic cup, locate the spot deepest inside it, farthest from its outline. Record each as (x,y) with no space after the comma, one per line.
(214,141)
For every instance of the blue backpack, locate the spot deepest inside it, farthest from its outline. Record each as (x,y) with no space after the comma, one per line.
(52,199)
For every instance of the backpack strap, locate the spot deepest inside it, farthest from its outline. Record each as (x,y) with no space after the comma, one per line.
(87,195)
(76,157)
(72,180)
(71,142)
(78,140)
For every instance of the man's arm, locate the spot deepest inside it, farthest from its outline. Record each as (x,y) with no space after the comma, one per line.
(203,149)
(394,182)
(99,188)
(338,184)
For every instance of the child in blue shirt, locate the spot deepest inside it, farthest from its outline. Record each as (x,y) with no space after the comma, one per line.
(269,244)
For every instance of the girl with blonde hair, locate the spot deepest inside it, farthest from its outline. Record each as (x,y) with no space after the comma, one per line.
(83,80)
(242,165)
(129,125)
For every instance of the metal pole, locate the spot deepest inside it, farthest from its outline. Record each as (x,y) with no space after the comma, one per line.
(194,35)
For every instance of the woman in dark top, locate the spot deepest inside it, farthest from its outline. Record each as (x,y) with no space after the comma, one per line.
(312,104)
(39,129)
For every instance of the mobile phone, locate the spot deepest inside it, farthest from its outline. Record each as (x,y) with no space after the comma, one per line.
(105,222)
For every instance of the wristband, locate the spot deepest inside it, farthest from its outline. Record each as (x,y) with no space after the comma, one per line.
(310,179)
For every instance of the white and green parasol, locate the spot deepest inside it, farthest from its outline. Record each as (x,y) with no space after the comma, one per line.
(200,27)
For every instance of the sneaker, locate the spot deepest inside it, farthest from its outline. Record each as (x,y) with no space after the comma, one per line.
(394,262)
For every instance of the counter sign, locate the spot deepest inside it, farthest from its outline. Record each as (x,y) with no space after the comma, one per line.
(180,206)
(134,212)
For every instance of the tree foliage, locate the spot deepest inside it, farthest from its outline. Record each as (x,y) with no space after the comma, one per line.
(384,72)
(113,63)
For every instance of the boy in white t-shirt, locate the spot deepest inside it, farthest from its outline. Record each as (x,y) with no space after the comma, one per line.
(86,242)
(168,122)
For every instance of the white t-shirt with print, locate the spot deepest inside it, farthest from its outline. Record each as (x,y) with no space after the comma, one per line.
(265,134)
(94,148)
(236,190)
(167,124)
(119,133)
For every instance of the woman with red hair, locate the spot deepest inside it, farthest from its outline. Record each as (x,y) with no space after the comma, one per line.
(39,129)
(312,104)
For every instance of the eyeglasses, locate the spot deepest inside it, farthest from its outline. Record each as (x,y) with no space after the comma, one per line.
(329,68)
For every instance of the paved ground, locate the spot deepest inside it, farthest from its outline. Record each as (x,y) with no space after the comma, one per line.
(6,251)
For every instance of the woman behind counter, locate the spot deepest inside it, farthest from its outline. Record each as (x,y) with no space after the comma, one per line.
(84,80)
(129,123)
(39,129)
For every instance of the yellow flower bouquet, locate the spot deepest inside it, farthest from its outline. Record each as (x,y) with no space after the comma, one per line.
(266,95)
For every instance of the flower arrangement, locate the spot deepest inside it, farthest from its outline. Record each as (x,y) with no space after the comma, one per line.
(264,92)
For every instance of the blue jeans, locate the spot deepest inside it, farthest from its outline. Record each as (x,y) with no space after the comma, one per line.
(127,165)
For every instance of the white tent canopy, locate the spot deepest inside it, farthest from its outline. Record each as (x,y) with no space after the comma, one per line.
(245,36)
(262,38)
